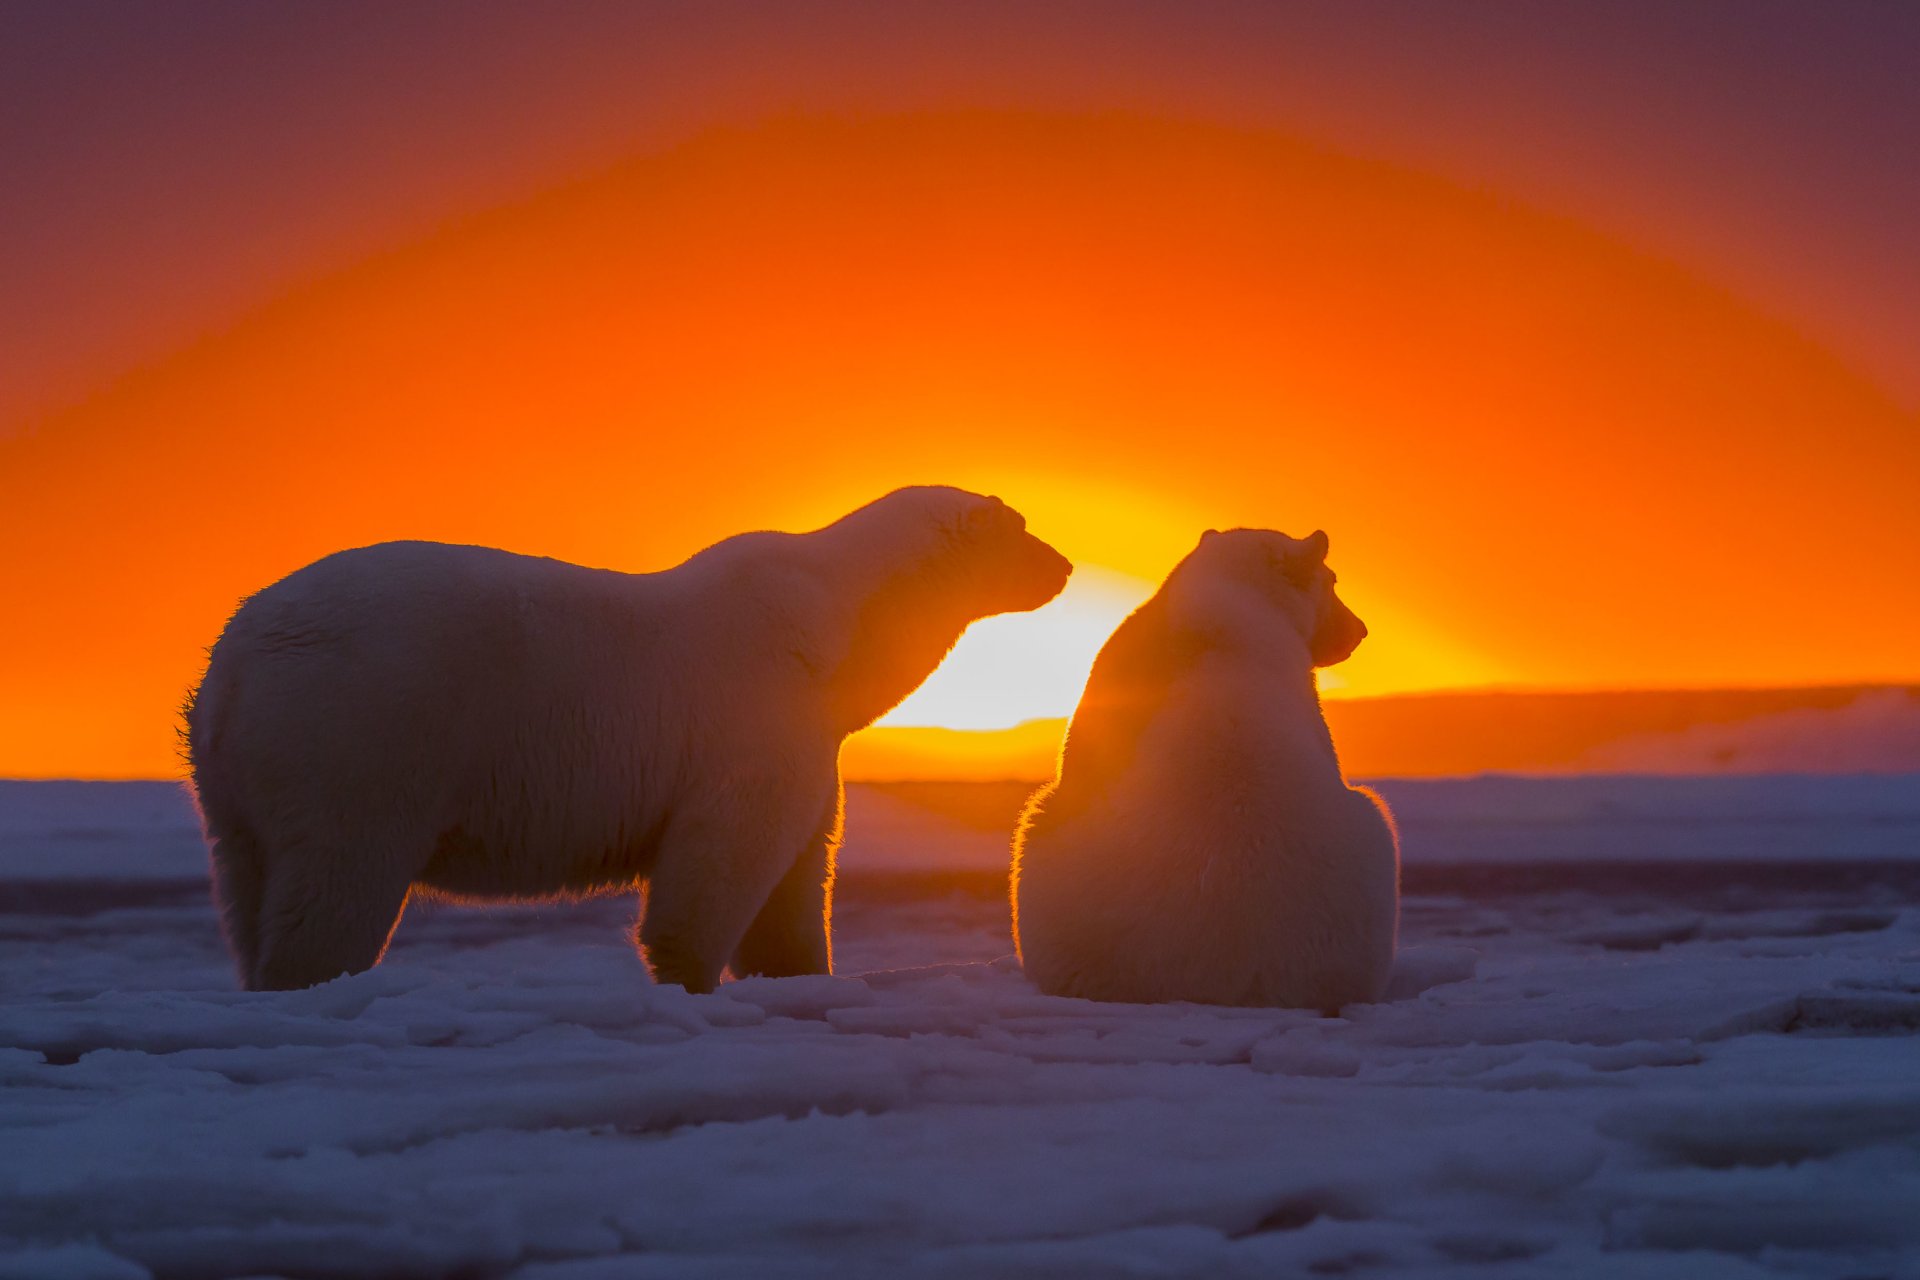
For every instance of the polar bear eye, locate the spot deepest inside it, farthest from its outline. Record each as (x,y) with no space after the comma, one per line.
(996,516)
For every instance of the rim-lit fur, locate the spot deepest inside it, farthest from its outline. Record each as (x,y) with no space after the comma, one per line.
(469,722)
(1199,841)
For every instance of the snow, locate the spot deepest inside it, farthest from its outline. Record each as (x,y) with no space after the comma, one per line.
(1447,822)
(1676,1076)
(123,831)
(147,832)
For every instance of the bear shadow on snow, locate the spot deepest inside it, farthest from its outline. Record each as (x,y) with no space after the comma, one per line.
(461,721)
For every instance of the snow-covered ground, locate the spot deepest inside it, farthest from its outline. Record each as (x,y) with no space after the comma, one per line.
(1702,1063)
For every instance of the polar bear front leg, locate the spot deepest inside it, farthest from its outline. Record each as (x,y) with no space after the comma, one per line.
(717,869)
(793,934)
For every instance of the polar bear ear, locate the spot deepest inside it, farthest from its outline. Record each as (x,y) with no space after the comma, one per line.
(1303,558)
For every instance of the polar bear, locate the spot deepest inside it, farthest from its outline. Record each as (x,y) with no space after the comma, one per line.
(483,725)
(1199,841)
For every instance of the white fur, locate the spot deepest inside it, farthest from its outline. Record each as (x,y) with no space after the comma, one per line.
(1200,842)
(488,725)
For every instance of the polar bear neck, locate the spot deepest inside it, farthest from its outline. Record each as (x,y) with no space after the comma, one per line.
(905,602)
(903,628)
(865,608)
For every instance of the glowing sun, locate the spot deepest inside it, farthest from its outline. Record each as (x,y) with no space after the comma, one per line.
(1025,666)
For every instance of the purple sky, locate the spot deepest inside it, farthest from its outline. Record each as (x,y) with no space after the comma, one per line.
(167,167)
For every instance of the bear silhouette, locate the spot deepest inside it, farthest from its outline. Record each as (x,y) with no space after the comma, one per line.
(1199,841)
(482,725)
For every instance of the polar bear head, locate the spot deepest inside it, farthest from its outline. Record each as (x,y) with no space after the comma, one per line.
(997,566)
(1271,573)
(960,553)
(924,563)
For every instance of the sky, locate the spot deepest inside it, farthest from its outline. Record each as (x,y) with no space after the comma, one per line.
(1591,334)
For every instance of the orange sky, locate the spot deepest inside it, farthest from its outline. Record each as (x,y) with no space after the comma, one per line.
(1544,456)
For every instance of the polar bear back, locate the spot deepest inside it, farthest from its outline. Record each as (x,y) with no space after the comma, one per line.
(439,637)
(437,676)
(1222,858)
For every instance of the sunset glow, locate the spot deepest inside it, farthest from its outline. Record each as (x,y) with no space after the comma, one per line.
(1546,456)
(1020,667)
(967,638)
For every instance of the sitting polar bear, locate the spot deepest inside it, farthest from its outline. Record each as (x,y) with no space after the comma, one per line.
(1199,842)
(487,725)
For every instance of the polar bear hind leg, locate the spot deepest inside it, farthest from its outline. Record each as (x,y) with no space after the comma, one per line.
(328,907)
(238,879)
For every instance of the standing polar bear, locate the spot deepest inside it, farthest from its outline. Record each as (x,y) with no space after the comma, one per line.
(1199,842)
(487,725)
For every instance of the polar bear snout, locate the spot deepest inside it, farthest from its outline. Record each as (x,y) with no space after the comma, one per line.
(997,565)
(1039,574)
(1338,635)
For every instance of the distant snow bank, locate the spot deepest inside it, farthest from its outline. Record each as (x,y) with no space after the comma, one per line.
(1878,732)
(148,830)
(99,831)
(1494,819)
(1748,817)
